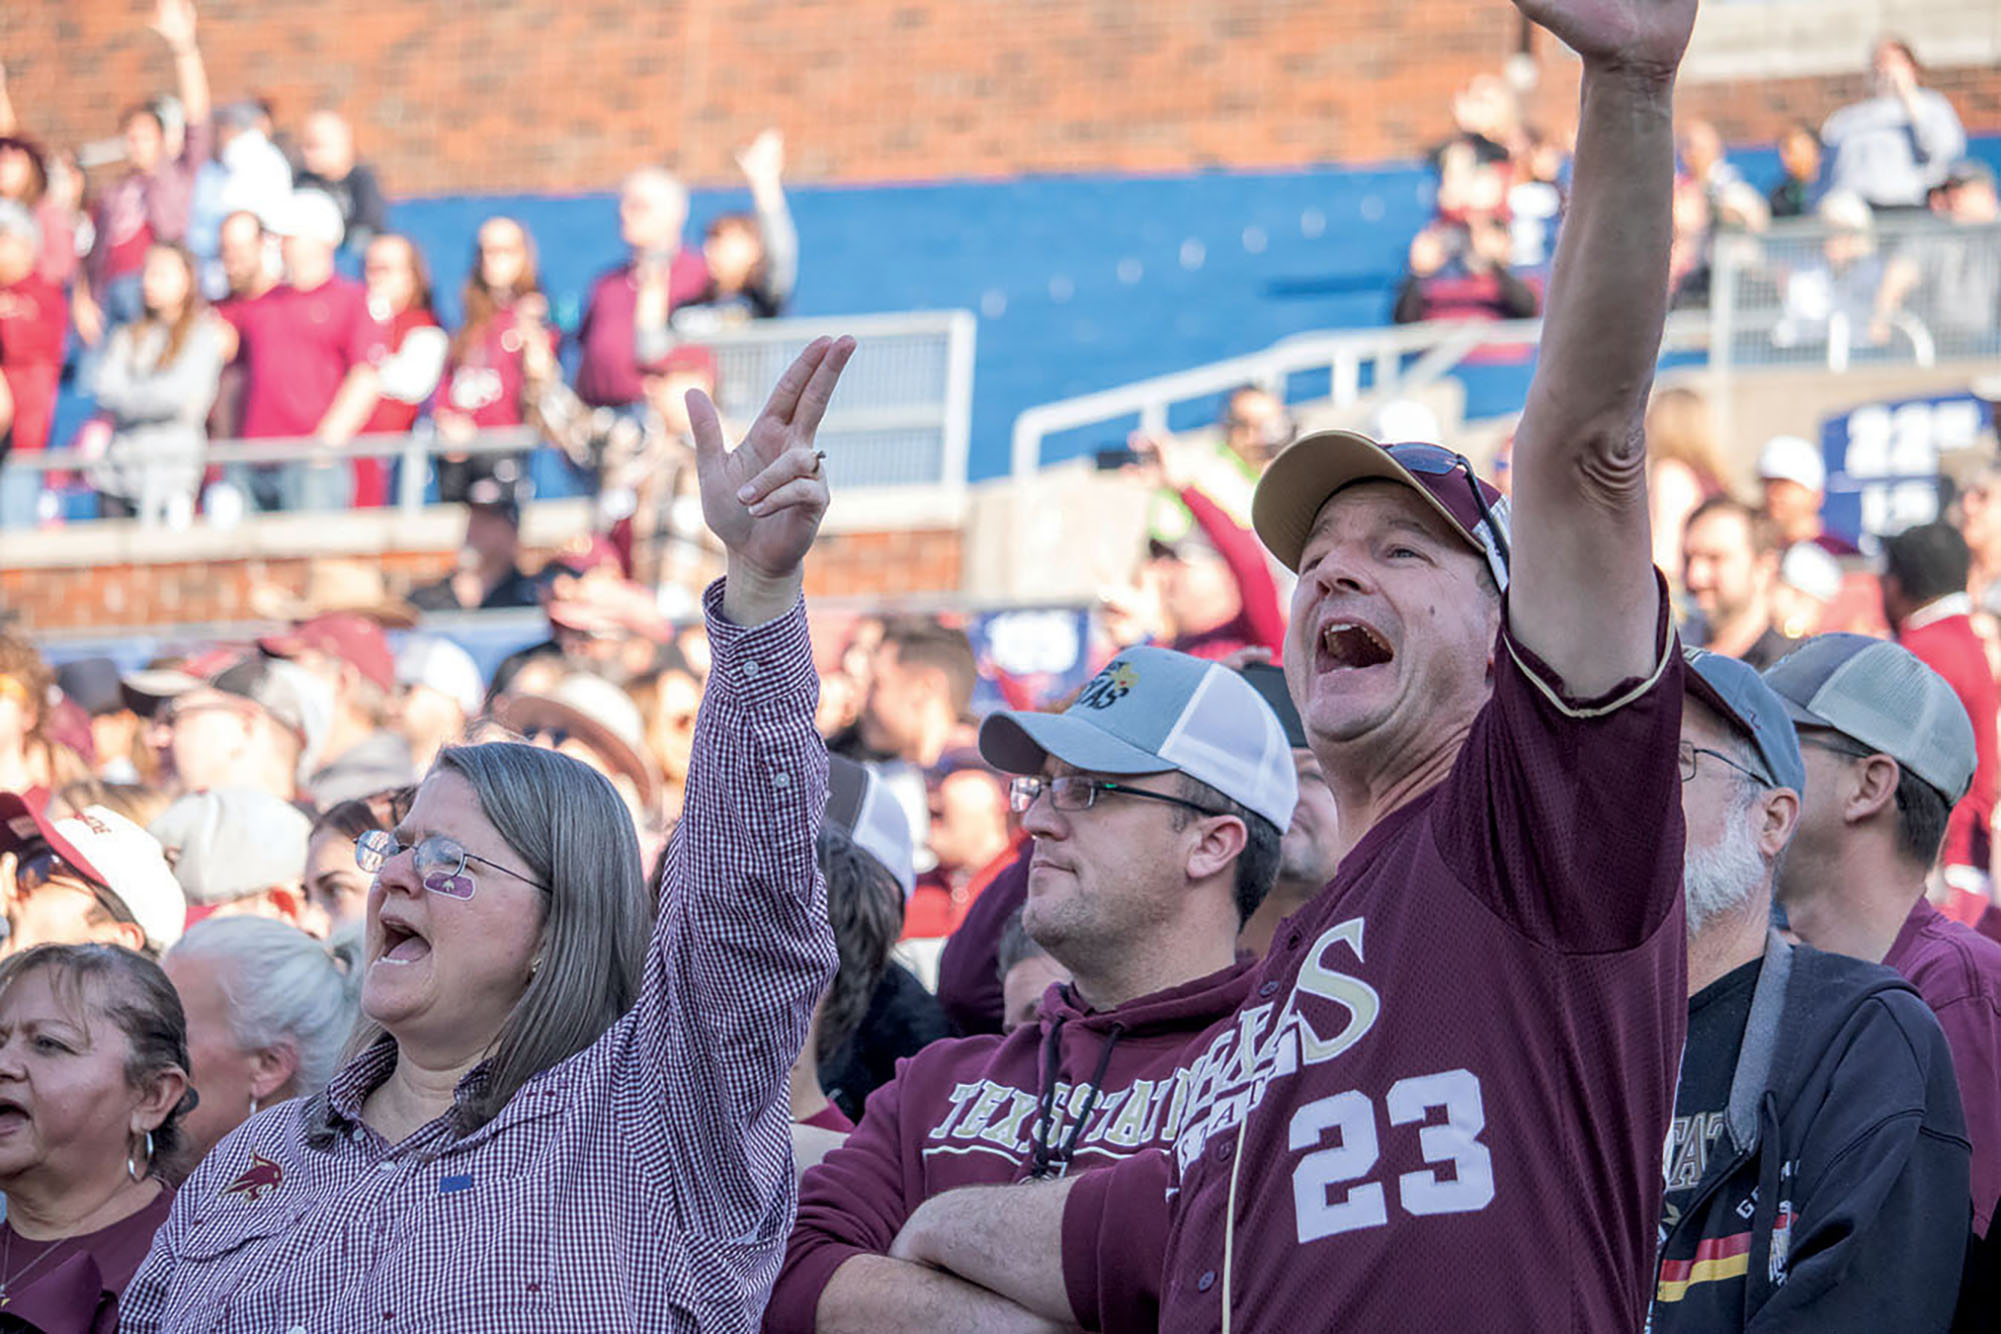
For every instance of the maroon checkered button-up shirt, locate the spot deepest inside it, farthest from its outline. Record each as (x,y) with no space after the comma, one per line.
(645,1183)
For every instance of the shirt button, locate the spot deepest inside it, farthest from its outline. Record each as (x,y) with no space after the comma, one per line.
(781,781)
(1207,1281)
(296,1329)
(1224,1150)
(385,1166)
(1268,988)
(750,670)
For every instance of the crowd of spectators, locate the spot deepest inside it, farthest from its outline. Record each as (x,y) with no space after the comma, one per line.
(688,974)
(1911,256)
(201,293)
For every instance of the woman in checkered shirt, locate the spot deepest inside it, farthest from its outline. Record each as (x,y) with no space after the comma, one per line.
(547,1124)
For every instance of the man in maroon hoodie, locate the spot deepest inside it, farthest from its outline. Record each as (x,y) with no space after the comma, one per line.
(1155,803)
(1443,1105)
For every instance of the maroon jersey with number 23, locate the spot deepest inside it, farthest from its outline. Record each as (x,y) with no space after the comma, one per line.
(1443,1105)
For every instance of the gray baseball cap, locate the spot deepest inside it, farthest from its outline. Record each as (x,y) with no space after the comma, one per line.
(1151,710)
(1880,694)
(1734,690)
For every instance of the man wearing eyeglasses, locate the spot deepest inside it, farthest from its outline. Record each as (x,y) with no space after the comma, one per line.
(1156,804)
(1443,1105)
(1817,1167)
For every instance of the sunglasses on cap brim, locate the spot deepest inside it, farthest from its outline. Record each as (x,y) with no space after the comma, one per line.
(1437,461)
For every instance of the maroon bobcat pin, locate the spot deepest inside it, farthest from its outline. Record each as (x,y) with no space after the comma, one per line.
(262,1175)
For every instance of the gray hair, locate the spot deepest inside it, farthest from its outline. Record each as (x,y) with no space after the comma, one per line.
(284,988)
(656,181)
(568,824)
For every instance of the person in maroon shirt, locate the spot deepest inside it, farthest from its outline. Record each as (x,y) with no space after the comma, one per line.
(1460,271)
(1444,1105)
(299,344)
(1925,600)
(93,1088)
(1155,803)
(1888,751)
(625,328)
(406,360)
(150,202)
(33,319)
(500,358)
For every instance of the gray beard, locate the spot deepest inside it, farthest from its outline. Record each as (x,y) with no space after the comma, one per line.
(1717,880)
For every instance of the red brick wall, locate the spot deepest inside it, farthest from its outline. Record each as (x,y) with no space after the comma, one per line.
(554,95)
(857,565)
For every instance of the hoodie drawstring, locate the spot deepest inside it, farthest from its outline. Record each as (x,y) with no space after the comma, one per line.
(1051,1161)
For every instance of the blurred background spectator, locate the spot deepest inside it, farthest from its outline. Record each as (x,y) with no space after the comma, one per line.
(502,357)
(327,163)
(1685,468)
(156,384)
(1891,148)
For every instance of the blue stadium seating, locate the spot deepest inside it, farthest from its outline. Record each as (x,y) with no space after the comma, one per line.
(1081,283)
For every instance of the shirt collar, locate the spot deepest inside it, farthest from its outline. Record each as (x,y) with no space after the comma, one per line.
(1952,604)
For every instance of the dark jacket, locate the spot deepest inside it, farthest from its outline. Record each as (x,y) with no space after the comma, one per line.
(1838,1199)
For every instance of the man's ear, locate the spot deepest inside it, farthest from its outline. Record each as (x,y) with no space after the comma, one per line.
(1872,787)
(1782,813)
(1222,839)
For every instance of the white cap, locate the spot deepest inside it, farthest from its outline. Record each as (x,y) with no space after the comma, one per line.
(308,213)
(861,805)
(232,842)
(441,665)
(1810,568)
(1151,710)
(1789,458)
(128,861)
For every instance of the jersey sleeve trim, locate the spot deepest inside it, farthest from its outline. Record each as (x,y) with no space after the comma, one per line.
(1539,675)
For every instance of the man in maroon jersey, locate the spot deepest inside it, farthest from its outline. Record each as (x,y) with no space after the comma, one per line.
(1444,1105)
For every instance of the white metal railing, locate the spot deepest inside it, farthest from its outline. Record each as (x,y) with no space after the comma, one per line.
(1763,312)
(1358,366)
(902,422)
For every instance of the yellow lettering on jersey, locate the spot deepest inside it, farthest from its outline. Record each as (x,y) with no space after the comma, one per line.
(1352,994)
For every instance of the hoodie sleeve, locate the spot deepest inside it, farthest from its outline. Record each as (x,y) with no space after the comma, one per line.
(1879,1202)
(1115,1227)
(852,1203)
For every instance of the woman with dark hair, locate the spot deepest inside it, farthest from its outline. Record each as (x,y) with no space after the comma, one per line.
(24,178)
(548,1120)
(93,1087)
(335,886)
(157,381)
(500,358)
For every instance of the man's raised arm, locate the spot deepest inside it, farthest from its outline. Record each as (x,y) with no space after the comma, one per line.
(1582,593)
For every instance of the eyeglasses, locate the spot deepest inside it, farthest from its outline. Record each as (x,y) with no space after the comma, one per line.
(1689,751)
(1075,792)
(1835,744)
(1436,461)
(441,862)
